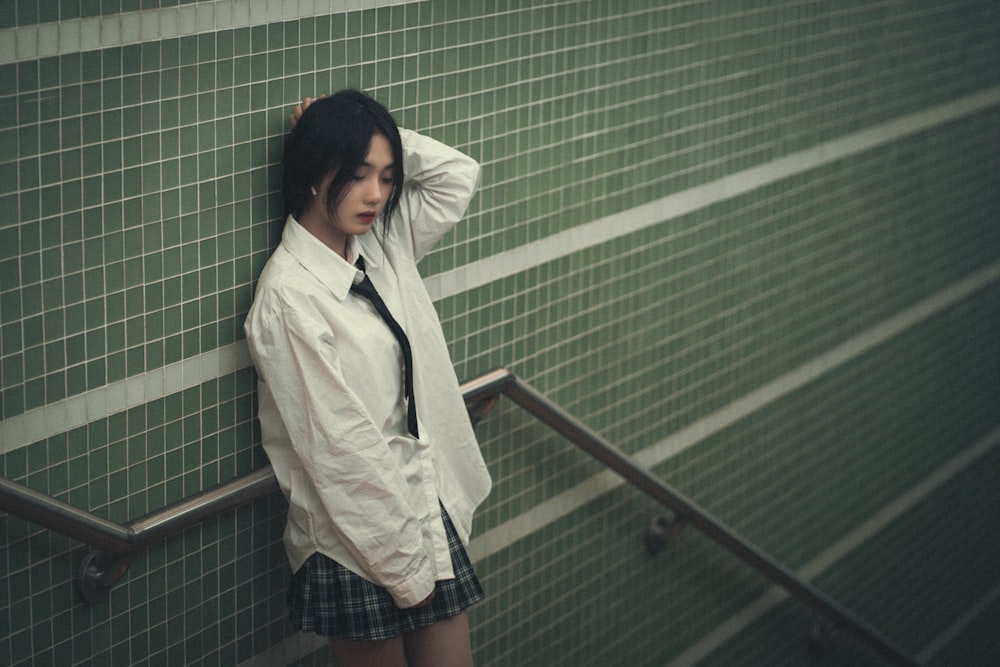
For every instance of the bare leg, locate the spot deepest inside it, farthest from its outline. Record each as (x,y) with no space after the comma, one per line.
(444,644)
(385,653)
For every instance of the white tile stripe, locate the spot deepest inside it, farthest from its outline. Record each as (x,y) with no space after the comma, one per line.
(950,633)
(60,416)
(301,645)
(514,261)
(44,40)
(548,511)
(830,556)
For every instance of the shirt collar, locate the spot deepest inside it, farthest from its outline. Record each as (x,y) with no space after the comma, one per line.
(336,274)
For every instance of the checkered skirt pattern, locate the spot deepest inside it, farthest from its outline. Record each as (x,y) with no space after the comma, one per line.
(326,598)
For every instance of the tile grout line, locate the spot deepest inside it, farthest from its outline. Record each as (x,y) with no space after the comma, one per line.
(552,509)
(58,38)
(510,262)
(301,645)
(60,416)
(831,555)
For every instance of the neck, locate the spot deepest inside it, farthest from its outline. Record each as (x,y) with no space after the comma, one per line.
(332,238)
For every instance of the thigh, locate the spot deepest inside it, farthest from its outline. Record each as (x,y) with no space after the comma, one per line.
(378,653)
(443,644)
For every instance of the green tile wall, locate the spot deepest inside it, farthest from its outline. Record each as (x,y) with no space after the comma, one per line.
(138,201)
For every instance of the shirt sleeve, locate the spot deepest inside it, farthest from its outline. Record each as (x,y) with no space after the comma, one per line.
(342,452)
(440,183)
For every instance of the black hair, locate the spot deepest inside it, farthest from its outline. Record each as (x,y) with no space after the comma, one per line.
(333,135)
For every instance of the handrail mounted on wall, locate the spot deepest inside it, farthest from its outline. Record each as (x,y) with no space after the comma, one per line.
(116,543)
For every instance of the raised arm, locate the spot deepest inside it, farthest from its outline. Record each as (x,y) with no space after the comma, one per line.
(440,183)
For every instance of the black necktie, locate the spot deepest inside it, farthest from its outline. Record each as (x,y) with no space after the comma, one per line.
(366,289)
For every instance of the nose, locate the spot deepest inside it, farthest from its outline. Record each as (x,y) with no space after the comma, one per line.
(373,191)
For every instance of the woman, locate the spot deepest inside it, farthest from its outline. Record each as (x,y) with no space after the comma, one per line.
(360,411)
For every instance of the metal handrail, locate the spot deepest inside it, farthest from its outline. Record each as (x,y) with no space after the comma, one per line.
(103,567)
(122,540)
(691,514)
(114,543)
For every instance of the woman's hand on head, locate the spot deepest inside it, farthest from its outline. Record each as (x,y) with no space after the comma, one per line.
(300,109)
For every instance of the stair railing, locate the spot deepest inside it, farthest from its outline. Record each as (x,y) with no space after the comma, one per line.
(115,544)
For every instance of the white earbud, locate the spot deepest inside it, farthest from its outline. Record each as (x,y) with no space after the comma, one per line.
(313,189)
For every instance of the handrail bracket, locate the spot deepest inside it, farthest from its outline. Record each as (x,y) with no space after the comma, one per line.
(98,572)
(662,530)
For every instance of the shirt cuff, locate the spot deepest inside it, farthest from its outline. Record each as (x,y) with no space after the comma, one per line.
(415,590)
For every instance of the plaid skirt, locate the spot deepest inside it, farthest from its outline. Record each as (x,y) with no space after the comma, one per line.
(326,598)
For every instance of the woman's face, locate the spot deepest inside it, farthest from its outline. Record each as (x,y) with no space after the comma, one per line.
(362,201)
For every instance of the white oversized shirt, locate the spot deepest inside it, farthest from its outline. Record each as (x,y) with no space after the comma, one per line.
(361,490)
